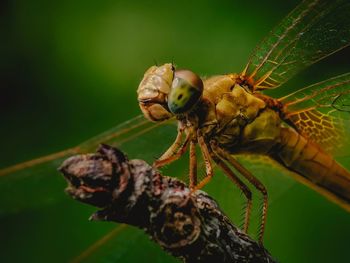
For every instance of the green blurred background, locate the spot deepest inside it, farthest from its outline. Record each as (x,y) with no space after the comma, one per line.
(70,69)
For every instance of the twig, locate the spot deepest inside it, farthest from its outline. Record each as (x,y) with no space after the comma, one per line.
(189,226)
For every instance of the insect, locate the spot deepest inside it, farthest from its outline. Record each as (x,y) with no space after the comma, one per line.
(229,114)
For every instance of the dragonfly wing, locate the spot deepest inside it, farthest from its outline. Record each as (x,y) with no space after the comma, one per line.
(321,112)
(274,176)
(312,31)
(37,182)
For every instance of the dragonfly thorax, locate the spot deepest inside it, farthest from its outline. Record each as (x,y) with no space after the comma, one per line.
(231,115)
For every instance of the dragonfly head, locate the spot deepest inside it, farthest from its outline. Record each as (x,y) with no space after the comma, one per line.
(165,92)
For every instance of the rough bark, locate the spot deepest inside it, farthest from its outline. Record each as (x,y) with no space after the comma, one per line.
(189,226)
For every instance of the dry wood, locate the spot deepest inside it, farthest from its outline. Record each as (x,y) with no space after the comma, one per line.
(189,226)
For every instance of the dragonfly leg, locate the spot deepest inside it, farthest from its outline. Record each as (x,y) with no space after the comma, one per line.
(252,179)
(208,166)
(175,151)
(193,165)
(207,156)
(241,185)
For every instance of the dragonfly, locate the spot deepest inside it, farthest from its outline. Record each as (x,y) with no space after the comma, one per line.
(302,131)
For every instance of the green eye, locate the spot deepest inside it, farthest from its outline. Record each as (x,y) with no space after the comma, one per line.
(185,92)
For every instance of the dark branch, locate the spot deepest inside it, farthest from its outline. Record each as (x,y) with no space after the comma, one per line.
(189,226)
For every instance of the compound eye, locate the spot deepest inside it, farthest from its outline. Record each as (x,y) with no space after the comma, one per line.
(186,90)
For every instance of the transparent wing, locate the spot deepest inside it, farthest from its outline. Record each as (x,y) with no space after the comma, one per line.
(37,187)
(312,31)
(115,246)
(321,112)
(36,182)
(31,185)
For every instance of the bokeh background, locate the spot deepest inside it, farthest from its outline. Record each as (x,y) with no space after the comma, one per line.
(70,69)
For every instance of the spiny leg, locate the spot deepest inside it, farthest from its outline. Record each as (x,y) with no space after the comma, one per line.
(241,185)
(208,167)
(252,179)
(175,151)
(207,155)
(193,164)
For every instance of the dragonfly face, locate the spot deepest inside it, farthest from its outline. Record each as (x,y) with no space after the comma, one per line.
(153,91)
(165,92)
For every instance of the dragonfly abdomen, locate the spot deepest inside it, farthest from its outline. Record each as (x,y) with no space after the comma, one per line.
(316,168)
